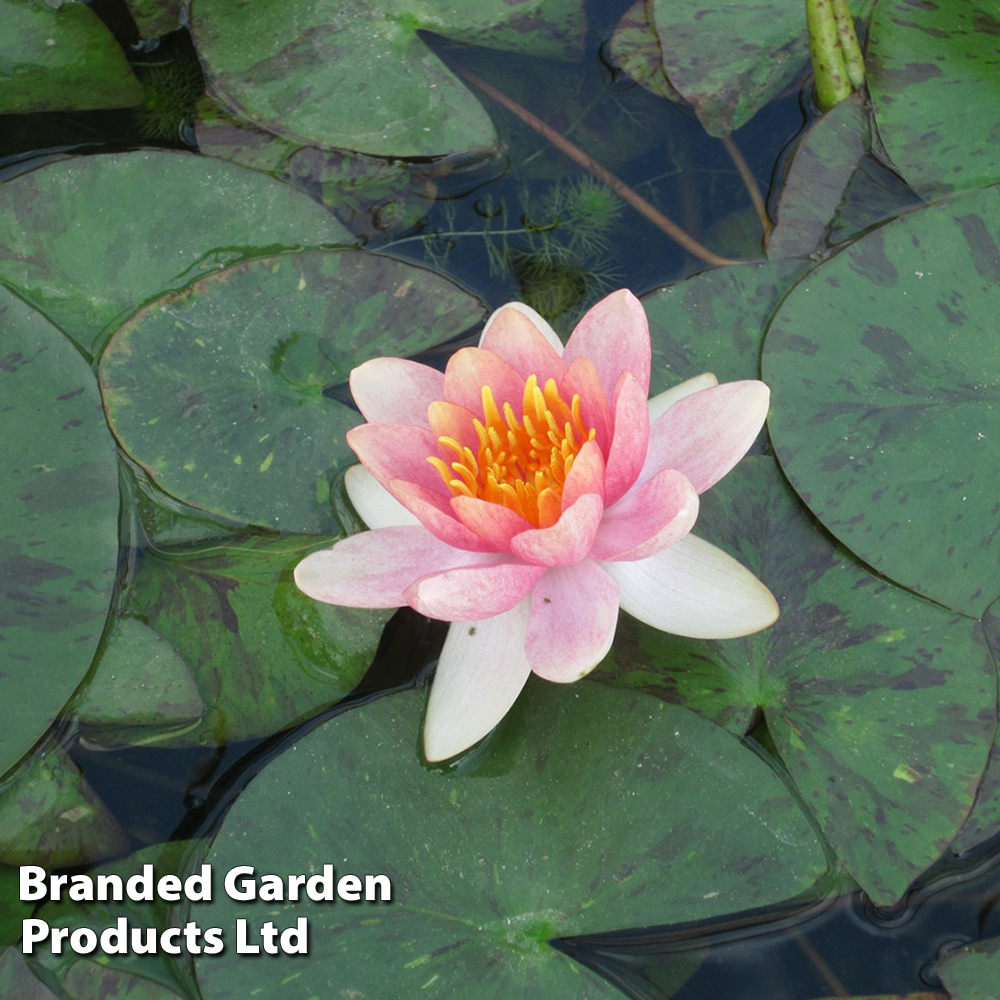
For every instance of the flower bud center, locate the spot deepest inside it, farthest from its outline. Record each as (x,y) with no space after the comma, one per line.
(523,464)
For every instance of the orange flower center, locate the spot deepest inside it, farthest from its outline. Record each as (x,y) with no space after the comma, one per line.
(522,465)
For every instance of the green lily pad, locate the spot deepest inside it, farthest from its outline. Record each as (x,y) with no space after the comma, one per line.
(588,813)
(371,196)
(727,60)
(820,170)
(263,655)
(58,524)
(142,689)
(17,980)
(12,912)
(156,17)
(881,704)
(715,321)
(83,241)
(223,393)
(972,973)
(364,79)
(932,73)
(61,59)
(49,815)
(883,363)
(984,820)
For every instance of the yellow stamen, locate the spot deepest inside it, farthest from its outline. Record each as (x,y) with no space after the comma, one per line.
(521,464)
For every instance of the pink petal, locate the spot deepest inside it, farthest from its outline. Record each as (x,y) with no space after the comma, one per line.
(647,519)
(615,336)
(470,369)
(694,589)
(574,613)
(375,505)
(394,391)
(585,476)
(565,542)
(538,321)
(433,510)
(582,380)
(512,336)
(481,672)
(706,433)
(471,592)
(630,438)
(451,420)
(374,568)
(491,521)
(397,451)
(662,402)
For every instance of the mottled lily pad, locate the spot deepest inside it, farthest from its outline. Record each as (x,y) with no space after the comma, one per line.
(85,242)
(884,366)
(156,17)
(61,59)
(587,813)
(881,704)
(359,76)
(233,394)
(12,911)
(49,815)
(141,691)
(262,654)
(715,321)
(17,980)
(932,72)
(58,524)
(727,60)
(972,973)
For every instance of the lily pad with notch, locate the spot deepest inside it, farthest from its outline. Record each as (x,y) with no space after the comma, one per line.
(233,394)
(89,240)
(587,812)
(881,704)
(883,363)
(362,76)
(58,524)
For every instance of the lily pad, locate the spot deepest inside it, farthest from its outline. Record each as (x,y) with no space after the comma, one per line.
(156,17)
(359,76)
(17,980)
(588,813)
(49,815)
(263,655)
(233,395)
(727,60)
(84,242)
(884,365)
(715,321)
(972,973)
(12,912)
(61,59)
(142,689)
(58,524)
(932,73)
(368,194)
(881,704)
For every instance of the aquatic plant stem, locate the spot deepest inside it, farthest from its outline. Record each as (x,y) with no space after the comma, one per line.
(849,45)
(616,184)
(832,82)
(749,181)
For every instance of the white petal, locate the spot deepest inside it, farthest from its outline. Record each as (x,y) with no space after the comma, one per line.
(694,589)
(543,325)
(479,676)
(375,505)
(659,405)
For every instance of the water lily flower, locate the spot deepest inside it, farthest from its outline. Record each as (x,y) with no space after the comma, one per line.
(529,492)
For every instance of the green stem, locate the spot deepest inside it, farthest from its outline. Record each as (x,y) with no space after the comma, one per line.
(832,81)
(849,43)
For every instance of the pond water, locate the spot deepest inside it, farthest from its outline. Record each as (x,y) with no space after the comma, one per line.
(178,702)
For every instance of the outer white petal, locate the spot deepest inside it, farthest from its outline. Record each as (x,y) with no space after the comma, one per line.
(694,589)
(659,404)
(376,506)
(479,676)
(543,325)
